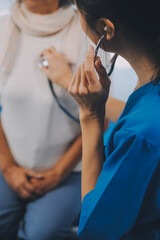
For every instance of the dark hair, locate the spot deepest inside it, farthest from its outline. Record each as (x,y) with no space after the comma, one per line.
(66,2)
(139,20)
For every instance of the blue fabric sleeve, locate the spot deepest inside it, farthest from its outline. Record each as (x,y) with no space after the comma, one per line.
(111,209)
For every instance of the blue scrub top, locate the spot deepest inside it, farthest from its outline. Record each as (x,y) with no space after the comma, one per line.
(125,203)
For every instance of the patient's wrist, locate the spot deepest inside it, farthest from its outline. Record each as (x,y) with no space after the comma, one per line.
(6,169)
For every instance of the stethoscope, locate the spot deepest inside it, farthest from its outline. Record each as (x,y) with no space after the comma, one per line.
(60,105)
(44,63)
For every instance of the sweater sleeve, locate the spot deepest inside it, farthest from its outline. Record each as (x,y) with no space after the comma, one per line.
(111,209)
(3,24)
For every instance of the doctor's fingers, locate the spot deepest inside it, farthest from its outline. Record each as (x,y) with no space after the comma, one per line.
(102,73)
(79,84)
(74,84)
(89,66)
(79,87)
(84,84)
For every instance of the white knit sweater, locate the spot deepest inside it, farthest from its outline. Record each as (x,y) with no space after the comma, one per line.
(37,130)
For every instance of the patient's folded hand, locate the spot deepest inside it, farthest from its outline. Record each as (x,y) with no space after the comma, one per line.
(51,179)
(19,179)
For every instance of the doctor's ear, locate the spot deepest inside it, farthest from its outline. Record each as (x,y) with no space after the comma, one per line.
(109,29)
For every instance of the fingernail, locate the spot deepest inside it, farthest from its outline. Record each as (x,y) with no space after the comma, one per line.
(98,61)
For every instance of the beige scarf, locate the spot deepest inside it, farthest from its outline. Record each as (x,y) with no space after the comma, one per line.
(21,19)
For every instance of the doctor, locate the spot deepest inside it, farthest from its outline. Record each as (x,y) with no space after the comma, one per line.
(121,185)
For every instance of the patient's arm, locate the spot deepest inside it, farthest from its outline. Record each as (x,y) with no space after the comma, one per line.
(114,108)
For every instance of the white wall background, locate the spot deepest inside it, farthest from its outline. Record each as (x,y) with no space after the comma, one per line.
(123,79)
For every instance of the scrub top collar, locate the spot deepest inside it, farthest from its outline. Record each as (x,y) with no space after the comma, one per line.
(144,89)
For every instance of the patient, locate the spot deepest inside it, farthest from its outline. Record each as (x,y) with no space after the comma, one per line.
(40,146)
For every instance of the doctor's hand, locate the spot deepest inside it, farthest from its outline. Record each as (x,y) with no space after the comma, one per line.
(89,89)
(59,70)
